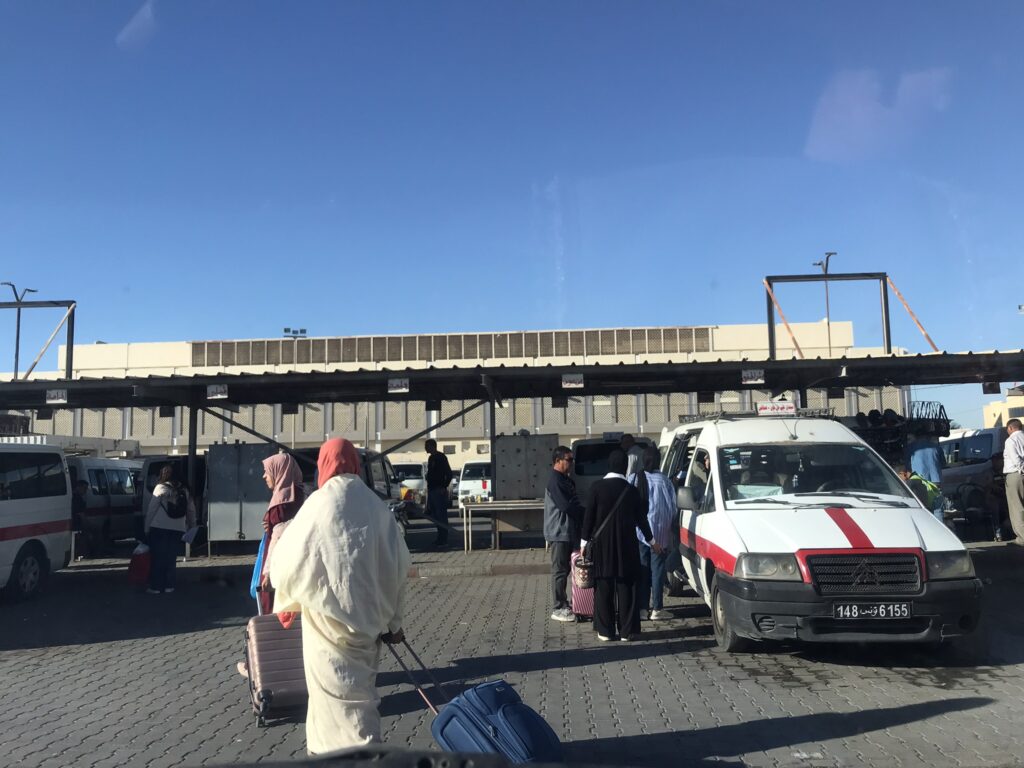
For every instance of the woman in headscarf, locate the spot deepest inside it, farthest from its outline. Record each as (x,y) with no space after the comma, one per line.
(343,563)
(284,478)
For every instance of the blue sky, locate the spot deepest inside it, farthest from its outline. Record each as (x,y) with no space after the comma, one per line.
(192,170)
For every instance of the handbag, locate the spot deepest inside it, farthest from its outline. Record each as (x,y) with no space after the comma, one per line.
(583,570)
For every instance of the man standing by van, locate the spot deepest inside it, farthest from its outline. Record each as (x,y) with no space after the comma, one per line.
(439,477)
(563,516)
(1013,470)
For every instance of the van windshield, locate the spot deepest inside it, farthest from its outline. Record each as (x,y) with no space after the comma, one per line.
(408,471)
(805,469)
(476,472)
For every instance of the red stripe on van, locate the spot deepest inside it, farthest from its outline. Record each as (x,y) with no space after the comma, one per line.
(34,529)
(723,561)
(853,532)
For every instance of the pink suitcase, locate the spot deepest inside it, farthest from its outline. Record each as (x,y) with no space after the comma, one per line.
(582,599)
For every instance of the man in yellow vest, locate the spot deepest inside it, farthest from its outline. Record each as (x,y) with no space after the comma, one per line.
(927,492)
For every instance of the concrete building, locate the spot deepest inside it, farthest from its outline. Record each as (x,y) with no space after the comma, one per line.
(382,425)
(998,413)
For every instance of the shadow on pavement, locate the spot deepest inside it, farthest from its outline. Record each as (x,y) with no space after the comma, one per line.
(465,673)
(87,604)
(731,741)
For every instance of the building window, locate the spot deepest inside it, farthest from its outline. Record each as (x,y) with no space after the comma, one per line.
(1015,413)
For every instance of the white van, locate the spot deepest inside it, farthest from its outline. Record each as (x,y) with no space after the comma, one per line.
(412,481)
(794,529)
(113,499)
(475,482)
(35,517)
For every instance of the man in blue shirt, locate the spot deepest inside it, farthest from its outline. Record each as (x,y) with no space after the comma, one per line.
(659,493)
(927,460)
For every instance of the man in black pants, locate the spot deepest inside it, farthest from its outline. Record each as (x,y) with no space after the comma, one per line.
(615,510)
(563,514)
(439,477)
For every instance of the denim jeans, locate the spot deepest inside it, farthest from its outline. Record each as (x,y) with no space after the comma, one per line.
(651,585)
(163,553)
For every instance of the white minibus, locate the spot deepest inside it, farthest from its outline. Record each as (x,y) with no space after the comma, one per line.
(35,517)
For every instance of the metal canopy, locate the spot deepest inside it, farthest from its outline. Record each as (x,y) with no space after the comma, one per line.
(436,384)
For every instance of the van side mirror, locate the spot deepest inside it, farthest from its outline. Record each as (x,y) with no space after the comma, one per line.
(685,500)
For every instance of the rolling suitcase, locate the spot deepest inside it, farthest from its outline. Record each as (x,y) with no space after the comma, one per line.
(277,678)
(489,718)
(582,599)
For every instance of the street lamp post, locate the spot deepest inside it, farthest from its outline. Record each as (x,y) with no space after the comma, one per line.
(828,313)
(17,326)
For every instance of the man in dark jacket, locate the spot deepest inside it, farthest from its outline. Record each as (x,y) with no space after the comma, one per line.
(614,512)
(563,515)
(439,477)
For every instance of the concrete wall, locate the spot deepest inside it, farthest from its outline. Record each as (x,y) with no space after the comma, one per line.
(998,413)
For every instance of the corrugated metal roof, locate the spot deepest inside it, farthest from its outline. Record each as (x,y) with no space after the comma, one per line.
(454,383)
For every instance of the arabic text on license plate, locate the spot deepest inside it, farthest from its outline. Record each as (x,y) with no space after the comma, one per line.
(871,611)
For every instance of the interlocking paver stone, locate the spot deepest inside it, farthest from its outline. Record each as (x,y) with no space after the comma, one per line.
(96,673)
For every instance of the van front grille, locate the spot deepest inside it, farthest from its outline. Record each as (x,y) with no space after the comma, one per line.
(893,574)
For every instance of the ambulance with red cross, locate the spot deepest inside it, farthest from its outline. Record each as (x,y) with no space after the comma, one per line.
(792,528)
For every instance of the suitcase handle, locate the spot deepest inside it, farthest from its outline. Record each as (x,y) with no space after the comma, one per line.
(412,678)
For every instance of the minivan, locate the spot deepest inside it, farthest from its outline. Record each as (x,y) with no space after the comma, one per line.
(795,529)
(112,501)
(35,517)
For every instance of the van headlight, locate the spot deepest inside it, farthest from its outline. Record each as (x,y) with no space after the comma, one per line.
(949,565)
(768,567)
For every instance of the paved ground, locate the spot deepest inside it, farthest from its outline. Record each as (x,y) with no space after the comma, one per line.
(96,674)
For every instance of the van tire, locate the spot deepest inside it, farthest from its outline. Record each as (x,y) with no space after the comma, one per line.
(725,635)
(29,574)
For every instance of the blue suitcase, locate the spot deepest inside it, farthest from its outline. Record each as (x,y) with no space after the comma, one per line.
(489,718)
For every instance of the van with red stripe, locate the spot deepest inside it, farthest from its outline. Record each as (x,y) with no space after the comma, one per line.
(793,528)
(35,517)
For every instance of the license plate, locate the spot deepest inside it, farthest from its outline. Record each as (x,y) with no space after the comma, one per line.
(872,610)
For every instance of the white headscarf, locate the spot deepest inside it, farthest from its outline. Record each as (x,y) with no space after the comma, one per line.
(343,556)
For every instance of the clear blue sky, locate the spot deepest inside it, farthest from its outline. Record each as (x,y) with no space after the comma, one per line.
(191,170)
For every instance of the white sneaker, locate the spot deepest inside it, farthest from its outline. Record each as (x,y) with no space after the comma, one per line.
(152,591)
(562,614)
(169,590)
(660,615)
(603,639)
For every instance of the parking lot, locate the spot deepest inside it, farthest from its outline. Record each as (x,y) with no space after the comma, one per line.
(98,674)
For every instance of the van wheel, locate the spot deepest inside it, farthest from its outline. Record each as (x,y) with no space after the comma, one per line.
(29,573)
(725,635)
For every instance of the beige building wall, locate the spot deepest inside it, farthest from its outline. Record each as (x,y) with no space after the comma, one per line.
(383,425)
(998,413)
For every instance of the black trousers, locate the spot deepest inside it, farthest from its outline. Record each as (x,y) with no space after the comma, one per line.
(616,608)
(561,552)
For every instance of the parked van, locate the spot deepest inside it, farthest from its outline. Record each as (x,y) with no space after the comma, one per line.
(112,502)
(972,456)
(35,517)
(590,459)
(973,480)
(793,528)
(412,481)
(475,482)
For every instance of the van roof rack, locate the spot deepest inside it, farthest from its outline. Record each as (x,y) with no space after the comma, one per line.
(806,413)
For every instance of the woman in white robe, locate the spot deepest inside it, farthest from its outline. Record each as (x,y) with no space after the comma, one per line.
(343,563)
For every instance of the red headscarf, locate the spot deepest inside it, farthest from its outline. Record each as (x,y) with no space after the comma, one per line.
(337,457)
